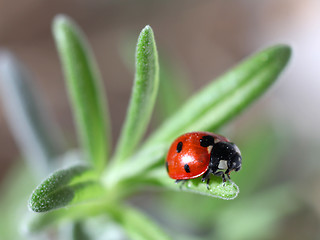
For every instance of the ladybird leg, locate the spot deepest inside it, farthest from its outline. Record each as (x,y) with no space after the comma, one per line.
(221,174)
(206,175)
(208,181)
(182,181)
(228,173)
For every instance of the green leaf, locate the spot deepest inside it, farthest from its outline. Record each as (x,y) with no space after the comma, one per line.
(227,96)
(78,232)
(85,90)
(257,217)
(217,189)
(143,95)
(66,187)
(34,129)
(137,225)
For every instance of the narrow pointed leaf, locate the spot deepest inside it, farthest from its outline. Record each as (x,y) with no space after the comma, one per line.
(85,90)
(227,96)
(66,187)
(36,133)
(217,189)
(143,94)
(174,86)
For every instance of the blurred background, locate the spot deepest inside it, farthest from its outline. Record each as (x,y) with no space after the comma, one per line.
(197,41)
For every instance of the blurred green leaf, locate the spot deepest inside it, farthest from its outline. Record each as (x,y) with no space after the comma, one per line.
(134,223)
(137,225)
(78,232)
(174,89)
(256,217)
(34,129)
(85,90)
(66,187)
(39,222)
(14,191)
(226,97)
(261,150)
(143,95)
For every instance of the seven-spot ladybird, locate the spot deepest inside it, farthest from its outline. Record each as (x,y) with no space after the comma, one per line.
(198,154)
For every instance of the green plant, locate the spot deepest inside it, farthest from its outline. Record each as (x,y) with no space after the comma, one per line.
(101,182)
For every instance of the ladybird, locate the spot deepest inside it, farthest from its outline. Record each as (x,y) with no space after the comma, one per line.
(198,154)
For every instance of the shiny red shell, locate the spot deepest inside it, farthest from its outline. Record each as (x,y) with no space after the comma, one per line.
(186,158)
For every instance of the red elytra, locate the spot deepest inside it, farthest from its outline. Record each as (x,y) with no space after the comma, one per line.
(186,158)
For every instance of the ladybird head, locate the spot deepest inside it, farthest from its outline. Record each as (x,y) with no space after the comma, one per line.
(227,152)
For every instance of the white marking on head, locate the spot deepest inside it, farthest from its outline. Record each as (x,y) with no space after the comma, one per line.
(223,164)
(209,149)
(216,140)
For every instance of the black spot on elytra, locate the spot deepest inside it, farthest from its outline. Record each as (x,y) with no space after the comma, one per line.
(207,141)
(167,167)
(187,168)
(179,147)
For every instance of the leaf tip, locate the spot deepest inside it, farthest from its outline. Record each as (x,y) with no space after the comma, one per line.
(55,192)
(282,52)
(60,19)
(39,201)
(146,42)
(287,52)
(33,205)
(61,22)
(147,28)
(147,32)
